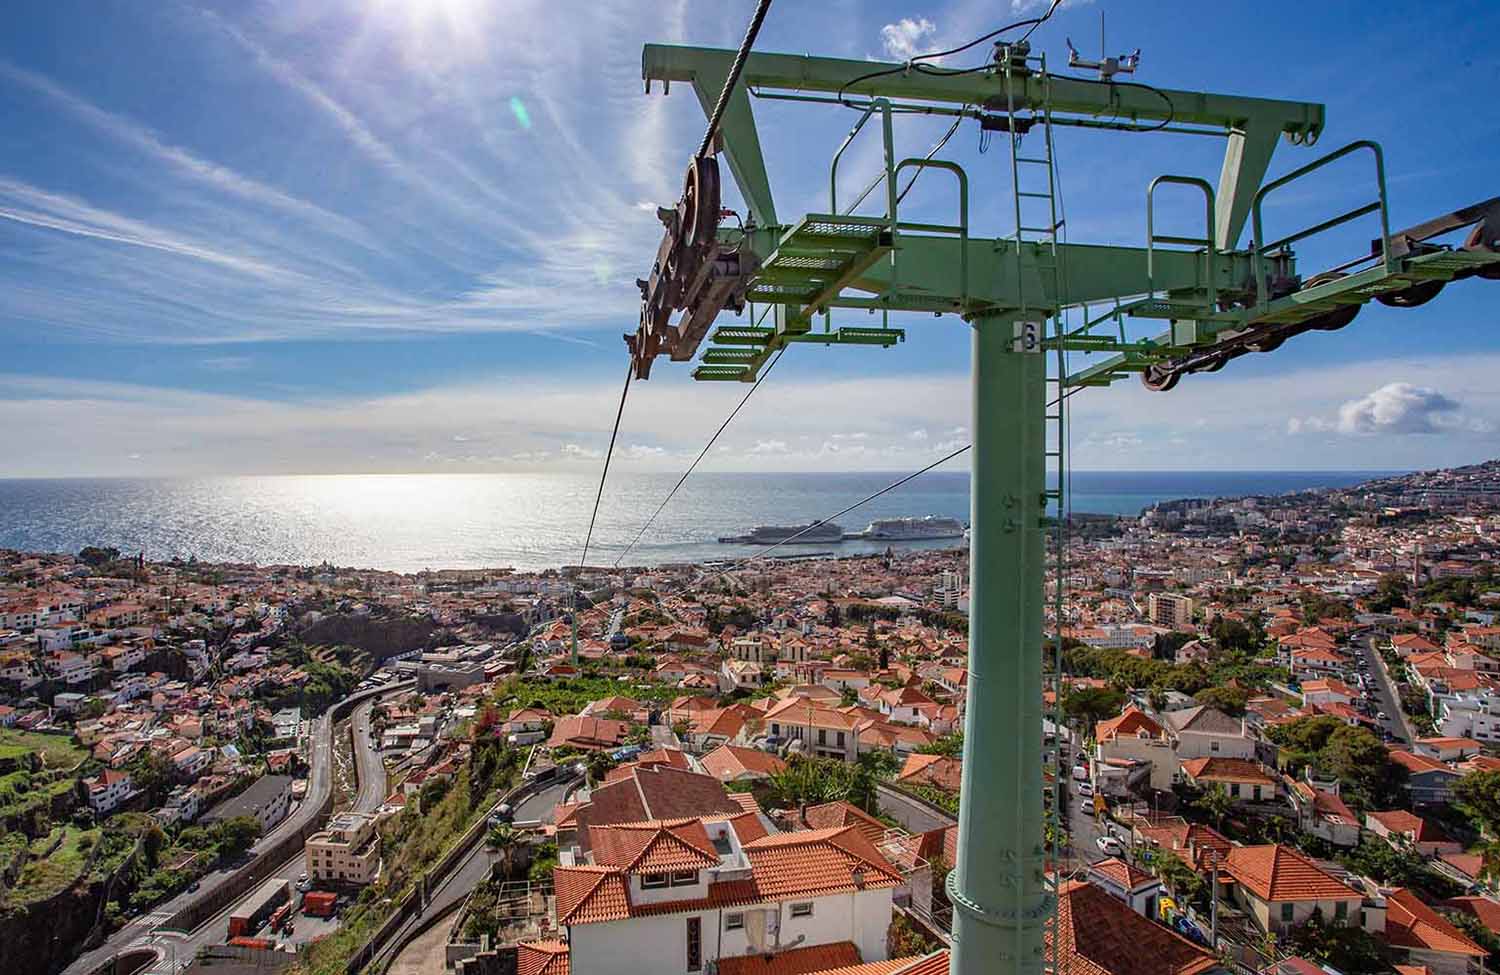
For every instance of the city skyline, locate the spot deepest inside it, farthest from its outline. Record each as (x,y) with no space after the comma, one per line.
(416,252)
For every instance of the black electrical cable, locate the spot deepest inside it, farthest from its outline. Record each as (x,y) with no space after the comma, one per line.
(701,454)
(583,563)
(761,9)
(871,497)
(913,63)
(1171,108)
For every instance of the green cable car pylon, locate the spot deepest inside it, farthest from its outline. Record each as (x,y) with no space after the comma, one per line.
(1217,300)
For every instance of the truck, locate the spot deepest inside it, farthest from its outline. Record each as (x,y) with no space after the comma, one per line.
(264,944)
(318,903)
(253,911)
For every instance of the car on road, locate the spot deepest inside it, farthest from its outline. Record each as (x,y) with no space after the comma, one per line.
(1110,845)
(193,887)
(1080,773)
(1086,789)
(1381,716)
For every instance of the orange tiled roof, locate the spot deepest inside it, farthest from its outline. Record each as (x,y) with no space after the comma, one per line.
(1227,770)
(797,961)
(653,847)
(729,761)
(1131,723)
(1121,873)
(542,958)
(809,863)
(1273,872)
(1099,935)
(1409,923)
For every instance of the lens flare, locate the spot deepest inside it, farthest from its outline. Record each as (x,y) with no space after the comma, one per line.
(518,109)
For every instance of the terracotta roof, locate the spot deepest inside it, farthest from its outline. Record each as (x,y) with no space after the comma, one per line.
(1488,911)
(581,732)
(1413,762)
(1402,821)
(1469,864)
(1409,923)
(653,847)
(1131,723)
(838,814)
(1121,873)
(653,792)
(812,863)
(1099,935)
(541,958)
(940,771)
(1207,720)
(1227,770)
(1279,873)
(732,761)
(797,961)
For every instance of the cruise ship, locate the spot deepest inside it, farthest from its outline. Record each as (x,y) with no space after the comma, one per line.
(911,529)
(818,533)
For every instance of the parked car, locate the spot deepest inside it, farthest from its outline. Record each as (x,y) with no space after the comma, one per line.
(1086,789)
(1110,845)
(1080,773)
(1380,716)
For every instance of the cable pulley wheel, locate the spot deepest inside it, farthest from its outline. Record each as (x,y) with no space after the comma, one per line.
(1481,238)
(700,198)
(1160,380)
(1417,294)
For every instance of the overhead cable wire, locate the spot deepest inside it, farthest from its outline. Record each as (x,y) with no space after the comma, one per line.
(614,434)
(761,9)
(701,454)
(871,497)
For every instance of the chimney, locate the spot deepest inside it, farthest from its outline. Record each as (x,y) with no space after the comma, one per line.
(858,876)
(802,814)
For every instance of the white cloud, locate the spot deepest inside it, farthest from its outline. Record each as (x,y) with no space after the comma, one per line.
(1394,409)
(905,38)
(582,453)
(1117,440)
(769,447)
(637,451)
(918,434)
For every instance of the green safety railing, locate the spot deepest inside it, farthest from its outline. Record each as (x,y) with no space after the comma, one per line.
(1206,241)
(1379,204)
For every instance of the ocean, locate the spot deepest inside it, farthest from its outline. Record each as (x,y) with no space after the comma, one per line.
(408,522)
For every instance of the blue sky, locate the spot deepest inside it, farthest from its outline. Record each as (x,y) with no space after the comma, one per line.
(401,235)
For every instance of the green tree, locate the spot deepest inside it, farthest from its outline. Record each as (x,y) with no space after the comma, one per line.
(1184,882)
(152,842)
(1089,705)
(1215,803)
(235,836)
(1478,795)
(599,764)
(503,840)
(951,745)
(1230,700)
(1349,949)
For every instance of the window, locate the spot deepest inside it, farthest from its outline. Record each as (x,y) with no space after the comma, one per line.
(1234,790)
(1287,912)
(684,878)
(803,909)
(822,736)
(775,729)
(734,922)
(1257,793)
(1341,911)
(1213,746)
(841,739)
(653,881)
(694,944)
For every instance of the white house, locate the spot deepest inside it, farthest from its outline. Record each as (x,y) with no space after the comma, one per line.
(1205,732)
(107,790)
(678,896)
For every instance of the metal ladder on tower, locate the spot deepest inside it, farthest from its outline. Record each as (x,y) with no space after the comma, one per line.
(1040,241)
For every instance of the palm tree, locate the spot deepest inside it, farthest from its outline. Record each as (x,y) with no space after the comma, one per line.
(1217,803)
(503,841)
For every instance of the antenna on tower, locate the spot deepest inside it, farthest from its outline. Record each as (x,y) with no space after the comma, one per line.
(1107,66)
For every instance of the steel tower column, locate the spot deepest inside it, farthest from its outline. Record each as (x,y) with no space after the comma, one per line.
(996,886)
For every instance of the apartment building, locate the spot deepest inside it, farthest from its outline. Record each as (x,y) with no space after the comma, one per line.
(1170,609)
(347,852)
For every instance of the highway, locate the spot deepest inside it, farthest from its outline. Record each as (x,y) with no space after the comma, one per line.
(370,769)
(320,758)
(147,928)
